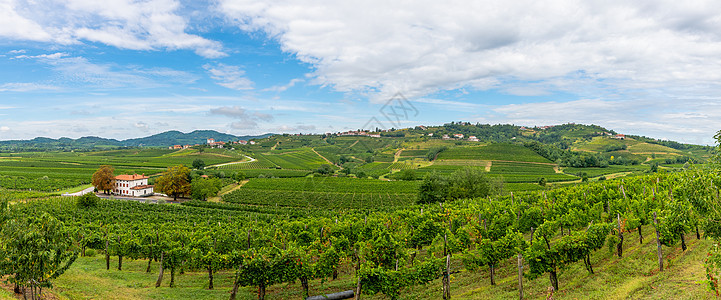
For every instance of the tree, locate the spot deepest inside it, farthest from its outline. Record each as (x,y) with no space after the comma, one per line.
(324,169)
(104,178)
(468,182)
(35,251)
(198,164)
(175,181)
(203,188)
(238,176)
(433,188)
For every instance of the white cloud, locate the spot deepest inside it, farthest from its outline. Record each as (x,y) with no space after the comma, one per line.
(283,88)
(231,77)
(380,47)
(142,126)
(695,122)
(4,129)
(73,70)
(126,24)
(48,56)
(246,119)
(25,87)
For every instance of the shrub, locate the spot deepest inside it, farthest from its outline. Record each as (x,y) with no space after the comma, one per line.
(88,200)
(90,252)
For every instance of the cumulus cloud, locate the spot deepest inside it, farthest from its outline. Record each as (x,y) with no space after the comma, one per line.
(142,126)
(246,119)
(4,129)
(381,47)
(135,25)
(231,77)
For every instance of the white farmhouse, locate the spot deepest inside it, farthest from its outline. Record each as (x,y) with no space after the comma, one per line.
(132,186)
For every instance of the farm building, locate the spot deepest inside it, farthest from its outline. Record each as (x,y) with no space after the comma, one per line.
(132,186)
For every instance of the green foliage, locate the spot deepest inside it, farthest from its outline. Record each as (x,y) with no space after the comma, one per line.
(204,188)
(468,182)
(174,182)
(35,251)
(87,200)
(324,169)
(198,164)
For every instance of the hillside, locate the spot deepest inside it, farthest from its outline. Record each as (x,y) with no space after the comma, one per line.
(164,139)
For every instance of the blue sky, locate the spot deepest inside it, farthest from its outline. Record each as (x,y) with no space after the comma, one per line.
(124,69)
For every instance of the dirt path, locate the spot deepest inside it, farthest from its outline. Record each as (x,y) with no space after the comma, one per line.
(237,186)
(323,157)
(608,176)
(235,162)
(397,155)
(80,193)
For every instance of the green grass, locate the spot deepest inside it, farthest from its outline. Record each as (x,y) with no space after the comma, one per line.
(88,279)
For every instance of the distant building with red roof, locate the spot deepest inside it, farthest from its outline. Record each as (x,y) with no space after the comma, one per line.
(132,186)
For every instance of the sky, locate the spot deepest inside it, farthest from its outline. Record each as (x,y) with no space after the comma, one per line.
(124,69)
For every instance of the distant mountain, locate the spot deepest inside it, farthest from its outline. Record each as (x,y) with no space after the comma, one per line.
(174,137)
(164,139)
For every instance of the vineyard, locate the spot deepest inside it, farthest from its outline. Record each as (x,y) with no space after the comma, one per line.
(53,171)
(493,152)
(296,227)
(325,192)
(581,241)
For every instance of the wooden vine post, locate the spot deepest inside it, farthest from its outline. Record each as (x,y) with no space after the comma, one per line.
(619,246)
(160,273)
(658,243)
(520,276)
(447,272)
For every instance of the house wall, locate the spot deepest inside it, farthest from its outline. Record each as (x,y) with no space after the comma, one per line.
(122,187)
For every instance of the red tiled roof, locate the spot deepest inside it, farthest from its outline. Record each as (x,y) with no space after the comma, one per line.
(131,177)
(141,187)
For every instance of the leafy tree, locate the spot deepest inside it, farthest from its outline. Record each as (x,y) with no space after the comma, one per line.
(203,188)
(175,181)
(433,188)
(198,164)
(238,176)
(471,182)
(35,251)
(408,175)
(324,169)
(104,179)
